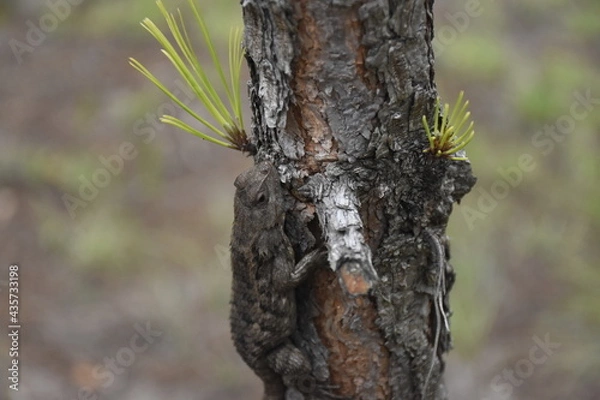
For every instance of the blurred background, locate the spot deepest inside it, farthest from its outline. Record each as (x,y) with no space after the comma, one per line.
(120,225)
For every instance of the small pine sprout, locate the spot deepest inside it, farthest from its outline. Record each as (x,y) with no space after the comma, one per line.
(446,137)
(229,128)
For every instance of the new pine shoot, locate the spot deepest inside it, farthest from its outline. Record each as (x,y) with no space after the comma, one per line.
(447,136)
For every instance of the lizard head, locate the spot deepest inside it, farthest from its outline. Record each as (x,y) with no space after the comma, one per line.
(259,196)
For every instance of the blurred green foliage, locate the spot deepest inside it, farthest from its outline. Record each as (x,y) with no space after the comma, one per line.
(528,266)
(534,252)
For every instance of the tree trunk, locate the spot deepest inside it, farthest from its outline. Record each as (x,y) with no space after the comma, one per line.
(338,91)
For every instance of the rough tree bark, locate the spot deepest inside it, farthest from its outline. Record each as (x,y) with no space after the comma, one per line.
(338,89)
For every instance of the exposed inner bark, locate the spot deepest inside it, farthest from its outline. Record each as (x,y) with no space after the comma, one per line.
(338,91)
(358,356)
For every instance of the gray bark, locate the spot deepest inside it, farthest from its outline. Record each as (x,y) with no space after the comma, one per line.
(338,89)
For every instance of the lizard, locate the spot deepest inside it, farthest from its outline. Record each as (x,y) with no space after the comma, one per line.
(265,275)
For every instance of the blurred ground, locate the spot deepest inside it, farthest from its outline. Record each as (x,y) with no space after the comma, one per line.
(124,295)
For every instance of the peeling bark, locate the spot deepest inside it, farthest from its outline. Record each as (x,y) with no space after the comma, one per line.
(338,89)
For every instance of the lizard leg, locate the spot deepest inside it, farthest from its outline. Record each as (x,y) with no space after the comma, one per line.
(307,264)
(287,359)
(291,363)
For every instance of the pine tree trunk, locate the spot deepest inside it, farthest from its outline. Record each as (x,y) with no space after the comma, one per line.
(338,91)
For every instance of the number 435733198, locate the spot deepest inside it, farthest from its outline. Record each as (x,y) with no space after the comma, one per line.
(13,293)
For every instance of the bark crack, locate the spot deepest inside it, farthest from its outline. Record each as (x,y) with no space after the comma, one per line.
(338,91)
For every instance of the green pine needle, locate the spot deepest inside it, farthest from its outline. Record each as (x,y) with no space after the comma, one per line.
(446,138)
(228,130)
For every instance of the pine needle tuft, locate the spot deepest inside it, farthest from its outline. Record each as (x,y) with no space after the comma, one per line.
(448,136)
(228,127)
